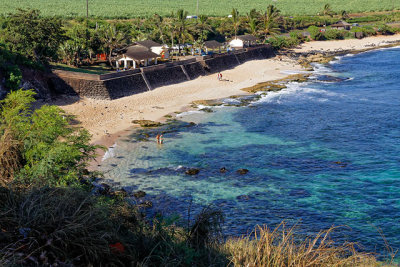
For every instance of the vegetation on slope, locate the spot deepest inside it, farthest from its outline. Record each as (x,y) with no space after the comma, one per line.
(52,215)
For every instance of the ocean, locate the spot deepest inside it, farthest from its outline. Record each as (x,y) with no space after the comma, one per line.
(319,154)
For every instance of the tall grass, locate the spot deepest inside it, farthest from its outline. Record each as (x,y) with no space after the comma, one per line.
(71,227)
(281,247)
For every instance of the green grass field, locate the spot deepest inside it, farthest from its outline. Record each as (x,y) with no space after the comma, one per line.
(135,8)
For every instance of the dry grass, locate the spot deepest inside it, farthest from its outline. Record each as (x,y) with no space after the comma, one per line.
(279,247)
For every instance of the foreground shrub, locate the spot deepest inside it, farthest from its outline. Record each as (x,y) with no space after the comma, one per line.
(70,227)
(40,146)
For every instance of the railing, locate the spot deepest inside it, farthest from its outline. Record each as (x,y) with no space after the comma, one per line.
(113,75)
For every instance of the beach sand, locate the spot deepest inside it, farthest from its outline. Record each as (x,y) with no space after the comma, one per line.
(106,120)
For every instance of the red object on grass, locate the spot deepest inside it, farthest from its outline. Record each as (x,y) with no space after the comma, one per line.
(117,247)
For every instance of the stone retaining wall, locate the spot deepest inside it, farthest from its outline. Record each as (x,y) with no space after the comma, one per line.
(165,76)
(116,85)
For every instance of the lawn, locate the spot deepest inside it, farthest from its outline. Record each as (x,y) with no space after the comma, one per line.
(95,69)
(135,8)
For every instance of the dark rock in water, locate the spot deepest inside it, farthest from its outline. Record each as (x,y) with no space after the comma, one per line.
(146,204)
(331,79)
(120,193)
(139,194)
(104,189)
(243,197)
(208,110)
(192,171)
(242,171)
(299,193)
(341,164)
(223,170)
(147,123)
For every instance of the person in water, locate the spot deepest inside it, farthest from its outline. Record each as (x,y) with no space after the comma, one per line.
(158,138)
(161,139)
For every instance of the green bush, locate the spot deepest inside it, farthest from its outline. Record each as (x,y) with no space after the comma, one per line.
(13,77)
(367,30)
(384,29)
(46,149)
(315,33)
(334,34)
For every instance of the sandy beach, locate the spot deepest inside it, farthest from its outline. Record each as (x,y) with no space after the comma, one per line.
(106,119)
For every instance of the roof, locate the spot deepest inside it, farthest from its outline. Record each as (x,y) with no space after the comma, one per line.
(341,23)
(148,43)
(247,38)
(212,44)
(138,52)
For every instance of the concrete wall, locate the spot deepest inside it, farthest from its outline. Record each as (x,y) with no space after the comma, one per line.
(116,85)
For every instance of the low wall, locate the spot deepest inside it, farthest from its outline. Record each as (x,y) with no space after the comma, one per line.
(120,84)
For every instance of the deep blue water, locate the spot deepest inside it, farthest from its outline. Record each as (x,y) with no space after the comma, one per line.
(318,154)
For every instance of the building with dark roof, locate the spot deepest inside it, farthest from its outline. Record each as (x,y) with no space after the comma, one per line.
(135,55)
(341,25)
(148,43)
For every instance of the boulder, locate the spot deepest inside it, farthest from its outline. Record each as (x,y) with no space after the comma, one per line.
(120,193)
(192,171)
(299,193)
(207,110)
(242,171)
(329,78)
(139,194)
(147,123)
(104,189)
(146,204)
(243,197)
(207,103)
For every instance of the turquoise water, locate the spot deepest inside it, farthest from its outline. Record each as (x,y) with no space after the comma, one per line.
(318,154)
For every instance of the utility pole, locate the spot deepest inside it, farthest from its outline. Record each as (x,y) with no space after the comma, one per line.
(87,25)
(197,10)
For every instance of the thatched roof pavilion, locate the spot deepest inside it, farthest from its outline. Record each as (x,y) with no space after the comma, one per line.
(247,38)
(341,25)
(148,43)
(212,44)
(136,54)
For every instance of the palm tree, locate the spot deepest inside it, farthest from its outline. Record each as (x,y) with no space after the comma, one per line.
(159,26)
(344,15)
(327,11)
(235,20)
(112,39)
(203,28)
(252,18)
(181,28)
(270,21)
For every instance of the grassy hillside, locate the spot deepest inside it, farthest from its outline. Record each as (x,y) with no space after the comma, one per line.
(134,8)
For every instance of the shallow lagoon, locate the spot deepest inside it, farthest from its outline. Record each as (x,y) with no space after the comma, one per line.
(319,154)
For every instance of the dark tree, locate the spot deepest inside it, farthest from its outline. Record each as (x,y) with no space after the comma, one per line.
(33,36)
